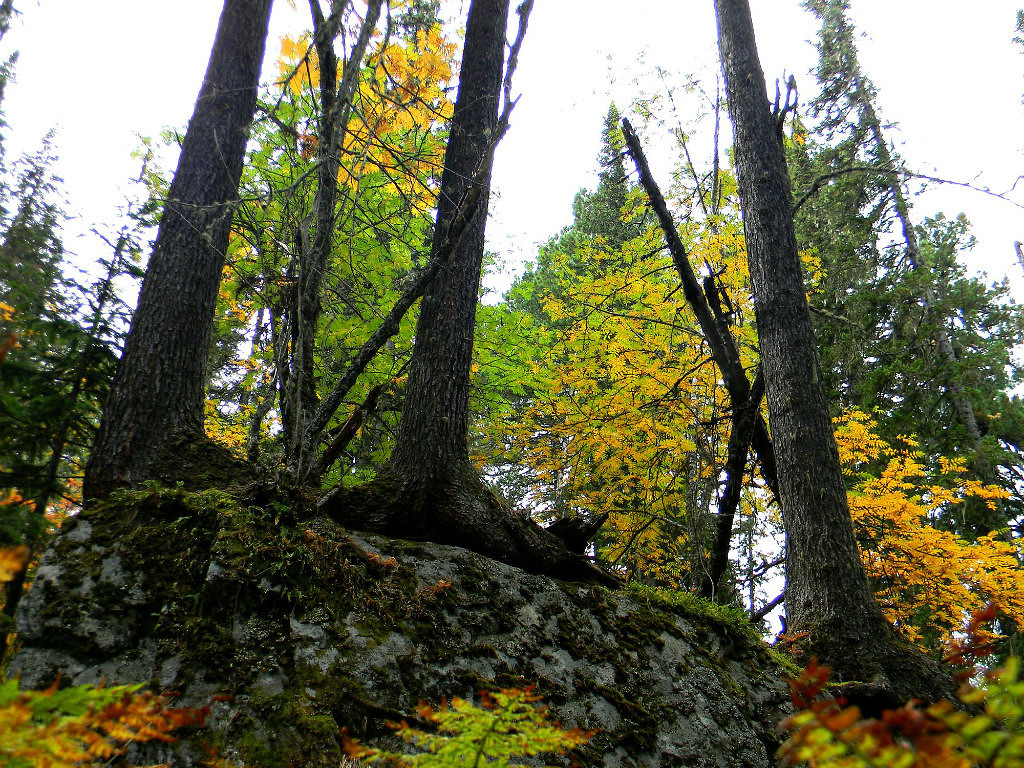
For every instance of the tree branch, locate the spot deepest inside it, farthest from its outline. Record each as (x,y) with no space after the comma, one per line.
(463,214)
(723,347)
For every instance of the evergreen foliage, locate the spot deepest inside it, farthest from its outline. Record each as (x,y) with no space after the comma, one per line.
(884,310)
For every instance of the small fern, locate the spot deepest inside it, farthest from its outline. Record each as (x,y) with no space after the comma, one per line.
(508,724)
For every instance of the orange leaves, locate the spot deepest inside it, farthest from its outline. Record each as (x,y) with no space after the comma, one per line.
(12,561)
(307,145)
(824,733)
(83,725)
(928,580)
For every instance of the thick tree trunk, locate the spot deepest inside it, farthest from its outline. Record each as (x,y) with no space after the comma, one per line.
(430,488)
(432,437)
(827,593)
(159,386)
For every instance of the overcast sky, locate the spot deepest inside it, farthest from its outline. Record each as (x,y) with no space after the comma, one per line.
(105,70)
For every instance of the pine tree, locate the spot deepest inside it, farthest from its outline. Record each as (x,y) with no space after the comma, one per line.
(902,330)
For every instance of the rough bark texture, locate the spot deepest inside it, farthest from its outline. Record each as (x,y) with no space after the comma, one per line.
(828,594)
(432,437)
(158,388)
(430,489)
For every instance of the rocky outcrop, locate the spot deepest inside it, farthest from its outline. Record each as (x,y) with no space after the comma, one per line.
(310,628)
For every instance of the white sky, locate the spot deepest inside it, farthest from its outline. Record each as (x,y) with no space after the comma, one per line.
(103,71)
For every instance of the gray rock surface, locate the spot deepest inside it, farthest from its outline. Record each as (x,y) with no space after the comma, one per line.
(312,628)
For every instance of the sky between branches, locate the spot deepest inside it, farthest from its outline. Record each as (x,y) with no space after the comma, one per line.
(948,73)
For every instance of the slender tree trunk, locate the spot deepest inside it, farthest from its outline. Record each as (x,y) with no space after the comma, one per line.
(827,593)
(159,386)
(748,427)
(335,109)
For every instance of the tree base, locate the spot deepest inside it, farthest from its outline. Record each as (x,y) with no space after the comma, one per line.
(879,670)
(461,511)
(191,460)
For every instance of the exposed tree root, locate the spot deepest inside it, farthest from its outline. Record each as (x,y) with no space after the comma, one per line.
(461,511)
(880,672)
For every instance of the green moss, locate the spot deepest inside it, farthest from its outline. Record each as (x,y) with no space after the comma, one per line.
(224,574)
(727,617)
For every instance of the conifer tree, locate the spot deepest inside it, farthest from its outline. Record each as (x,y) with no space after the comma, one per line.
(598,214)
(902,328)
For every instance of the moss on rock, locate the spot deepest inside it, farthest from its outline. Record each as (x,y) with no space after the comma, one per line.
(310,628)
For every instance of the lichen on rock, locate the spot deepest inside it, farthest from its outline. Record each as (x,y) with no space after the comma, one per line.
(310,628)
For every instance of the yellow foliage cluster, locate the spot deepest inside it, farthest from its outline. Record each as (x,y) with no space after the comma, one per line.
(401,103)
(12,560)
(624,407)
(927,579)
(229,430)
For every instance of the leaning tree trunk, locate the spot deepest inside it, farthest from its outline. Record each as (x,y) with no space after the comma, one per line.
(159,386)
(429,487)
(827,593)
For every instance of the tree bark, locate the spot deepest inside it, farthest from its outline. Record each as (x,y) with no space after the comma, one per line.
(429,488)
(827,593)
(432,438)
(159,386)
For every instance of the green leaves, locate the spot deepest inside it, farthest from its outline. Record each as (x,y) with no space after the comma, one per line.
(508,724)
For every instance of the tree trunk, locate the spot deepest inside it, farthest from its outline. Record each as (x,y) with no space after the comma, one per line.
(429,487)
(335,110)
(827,593)
(159,386)
(431,442)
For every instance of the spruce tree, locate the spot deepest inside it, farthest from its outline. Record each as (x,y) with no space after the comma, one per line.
(903,331)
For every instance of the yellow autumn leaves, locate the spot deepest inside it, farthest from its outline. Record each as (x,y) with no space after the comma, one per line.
(928,580)
(401,102)
(622,411)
